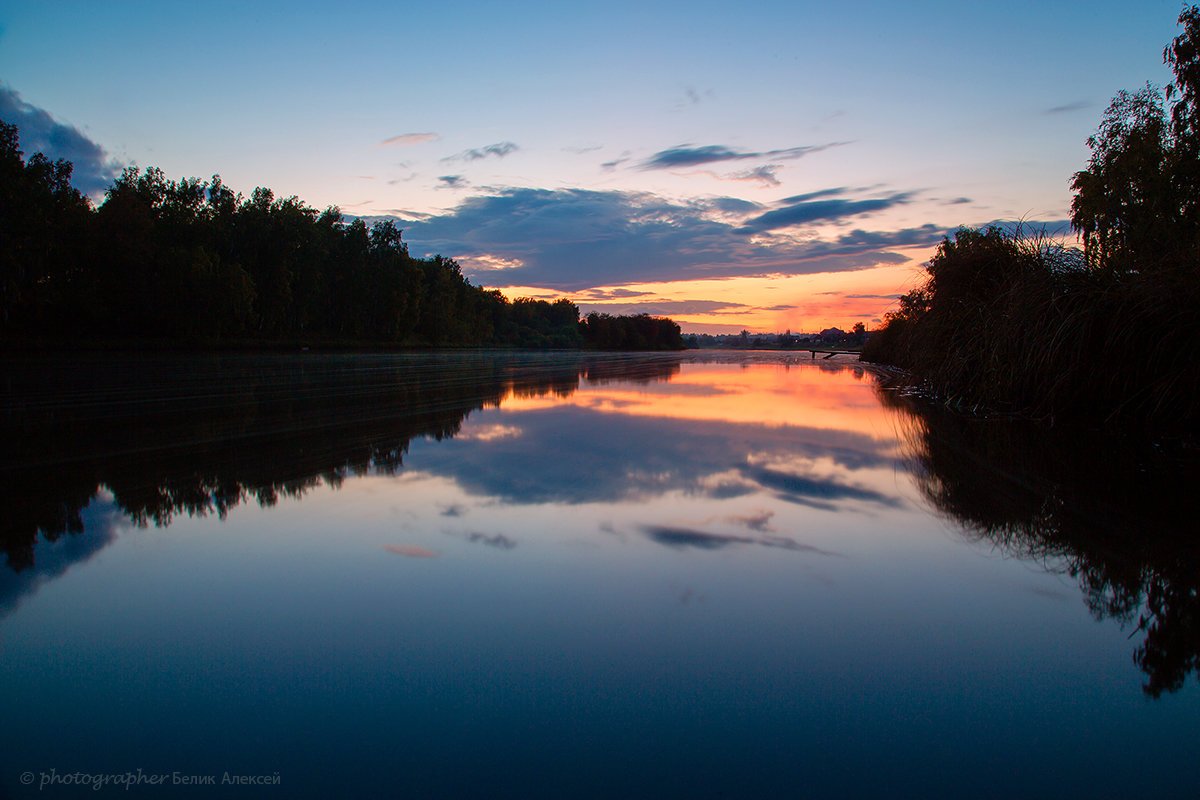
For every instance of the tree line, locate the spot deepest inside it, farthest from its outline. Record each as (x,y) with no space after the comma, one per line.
(1010,319)
(193,262)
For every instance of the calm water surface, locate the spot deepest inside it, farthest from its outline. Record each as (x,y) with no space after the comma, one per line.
(501,575)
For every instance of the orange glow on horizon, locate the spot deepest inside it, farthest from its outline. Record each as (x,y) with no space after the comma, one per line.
(761,304)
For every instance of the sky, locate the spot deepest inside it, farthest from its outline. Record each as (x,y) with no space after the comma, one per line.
(758,165)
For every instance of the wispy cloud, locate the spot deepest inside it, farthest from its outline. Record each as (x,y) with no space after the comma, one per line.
(1066,108)
(764,175)
(694,97)
(93,170)
(499,150)
(497,540)
(611,294)
(452,182)
(811,490)
(756,521)
(408,139)
(686,155)
(681,538)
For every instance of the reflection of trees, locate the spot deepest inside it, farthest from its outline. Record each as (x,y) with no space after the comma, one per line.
(1118,519)
(200,435)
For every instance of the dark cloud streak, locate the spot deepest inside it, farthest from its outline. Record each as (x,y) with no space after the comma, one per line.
(681,538)
(686,155)
(808,211)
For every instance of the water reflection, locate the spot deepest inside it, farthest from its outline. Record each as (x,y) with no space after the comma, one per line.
(194,436)
(715,571)
(201,436)
(88,444)
(1117,517)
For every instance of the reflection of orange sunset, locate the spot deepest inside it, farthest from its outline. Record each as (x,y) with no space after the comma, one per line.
(777,395)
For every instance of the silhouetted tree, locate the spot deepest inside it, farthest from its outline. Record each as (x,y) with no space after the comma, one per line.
(193,261)
(44,224)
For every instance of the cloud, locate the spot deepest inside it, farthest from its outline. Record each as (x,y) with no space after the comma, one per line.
(735,205)
(568,456)
(808,211)
(1066,108)
(93,172)
(452,182)
(575,239)
(758,521)
(408,139)
(804,198)
(101,519)
(668,308)
(611,294)
(812,491)
(498,540)
(764,175)
(692,97)
(499,150)
(680,538)
(686,155)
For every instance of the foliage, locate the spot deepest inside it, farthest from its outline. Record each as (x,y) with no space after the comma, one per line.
(637,332)
(43,221)
(1011,320)
(192,262)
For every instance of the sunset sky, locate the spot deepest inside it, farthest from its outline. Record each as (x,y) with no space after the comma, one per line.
(761,165)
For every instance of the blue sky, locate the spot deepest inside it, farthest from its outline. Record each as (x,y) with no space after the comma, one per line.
(766,165)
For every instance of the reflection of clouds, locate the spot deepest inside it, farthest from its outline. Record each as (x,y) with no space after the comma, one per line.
(725,485)
(812,491)
(497,540)
(574,454)
(758,521)
(681,538)
(410,550)
(490,433)
(51,559)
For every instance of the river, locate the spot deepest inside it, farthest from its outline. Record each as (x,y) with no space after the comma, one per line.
(489,574)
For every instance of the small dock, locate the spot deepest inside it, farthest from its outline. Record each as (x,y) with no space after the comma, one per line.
(829,351)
